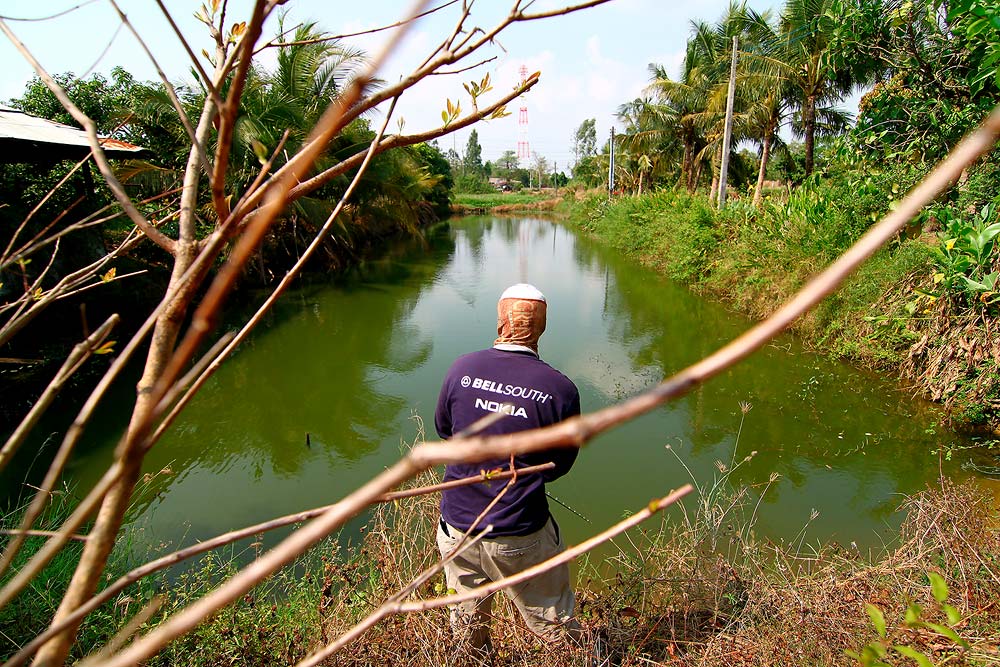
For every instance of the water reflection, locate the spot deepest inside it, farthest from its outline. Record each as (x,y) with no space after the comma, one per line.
(353,362)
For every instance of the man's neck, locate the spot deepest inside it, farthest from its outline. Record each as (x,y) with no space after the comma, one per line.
(510,347)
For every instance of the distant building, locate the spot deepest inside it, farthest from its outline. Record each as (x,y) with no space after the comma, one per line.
(27,138)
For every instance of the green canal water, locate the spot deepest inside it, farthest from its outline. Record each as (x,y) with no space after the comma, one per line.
(356,363)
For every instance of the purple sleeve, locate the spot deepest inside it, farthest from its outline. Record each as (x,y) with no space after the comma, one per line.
(442,413)
(563,457)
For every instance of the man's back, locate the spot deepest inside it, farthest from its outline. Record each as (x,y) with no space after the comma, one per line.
(530,394)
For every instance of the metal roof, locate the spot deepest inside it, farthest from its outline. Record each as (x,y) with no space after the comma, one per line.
(27,138)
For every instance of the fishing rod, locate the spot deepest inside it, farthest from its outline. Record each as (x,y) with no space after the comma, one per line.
(568,507)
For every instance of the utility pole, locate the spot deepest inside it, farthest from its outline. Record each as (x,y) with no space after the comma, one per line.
(611,165)
(727,137)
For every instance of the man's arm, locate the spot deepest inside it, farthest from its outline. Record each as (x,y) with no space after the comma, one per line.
(442,413)
(563,457)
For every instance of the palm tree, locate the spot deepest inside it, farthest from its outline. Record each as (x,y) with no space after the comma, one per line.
(801,53)
(685,97)
(650,140)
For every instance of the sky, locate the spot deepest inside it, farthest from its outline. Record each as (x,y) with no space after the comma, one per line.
(590,62)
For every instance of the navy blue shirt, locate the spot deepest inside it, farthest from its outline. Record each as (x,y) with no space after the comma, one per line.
(531,394)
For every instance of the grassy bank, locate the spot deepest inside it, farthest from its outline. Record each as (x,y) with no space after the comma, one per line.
(699,590)
(886,317)
(505,202)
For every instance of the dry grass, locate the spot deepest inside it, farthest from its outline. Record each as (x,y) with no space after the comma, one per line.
(702,591)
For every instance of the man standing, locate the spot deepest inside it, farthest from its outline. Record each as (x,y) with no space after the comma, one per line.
(508,378)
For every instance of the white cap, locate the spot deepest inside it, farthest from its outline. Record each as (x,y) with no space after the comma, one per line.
(523,291)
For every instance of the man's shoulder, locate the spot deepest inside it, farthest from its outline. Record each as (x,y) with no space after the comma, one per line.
(491,359)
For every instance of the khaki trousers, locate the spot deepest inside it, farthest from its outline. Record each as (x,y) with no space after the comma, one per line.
(545,602)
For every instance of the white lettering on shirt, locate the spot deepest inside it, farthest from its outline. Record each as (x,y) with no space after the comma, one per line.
(505,408)
(510,390)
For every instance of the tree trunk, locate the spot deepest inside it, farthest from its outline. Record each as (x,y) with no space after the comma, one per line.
(102,538)
(714,191)
(809,129)
(687,166)
(765,153)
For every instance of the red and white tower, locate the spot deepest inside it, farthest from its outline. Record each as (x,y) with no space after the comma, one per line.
(523,150)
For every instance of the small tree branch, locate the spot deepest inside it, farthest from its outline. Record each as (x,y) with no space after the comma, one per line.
(207,81)
(333,38)
(49,17)
(171,92)
(230,110)
(48,195)
(395,141)
(40,533)
(464,69)
(80,353)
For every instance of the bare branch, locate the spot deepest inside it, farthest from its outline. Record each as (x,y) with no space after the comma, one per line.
(395,141)
(566,556)
(50,16)
(171,92)
(207,81)
(104,52)
(37,242)
(40,533)
(333,38)
(229,111)
(466,481)
(464,69)
(36,208)
(559,12)
(80,353)
(62,288)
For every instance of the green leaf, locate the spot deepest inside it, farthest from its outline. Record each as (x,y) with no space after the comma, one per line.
(107,348)
(912,616)
(444,117)
(877,618)
(915,655)
(939,588)
(260,150)
(953,616)
(977,286)
(947,632)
